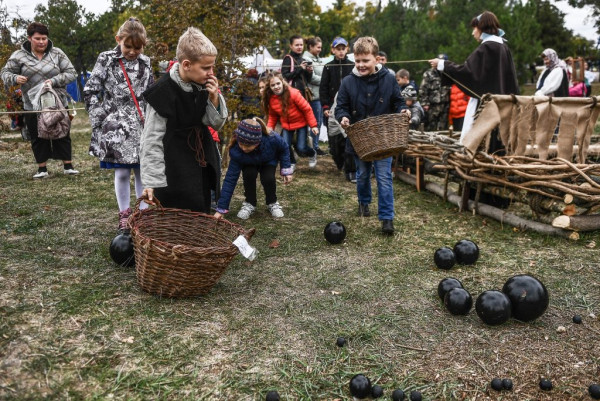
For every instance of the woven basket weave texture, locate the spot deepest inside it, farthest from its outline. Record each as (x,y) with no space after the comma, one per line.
(180,253)
(378,137)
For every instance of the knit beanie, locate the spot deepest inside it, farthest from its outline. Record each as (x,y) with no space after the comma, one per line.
(248,132)
(409,93)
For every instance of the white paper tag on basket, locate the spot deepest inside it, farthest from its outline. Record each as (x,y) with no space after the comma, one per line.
(245,248)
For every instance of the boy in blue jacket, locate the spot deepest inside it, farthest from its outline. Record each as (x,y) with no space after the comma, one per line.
(370,91)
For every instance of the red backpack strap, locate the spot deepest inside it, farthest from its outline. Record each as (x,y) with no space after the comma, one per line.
(131,90)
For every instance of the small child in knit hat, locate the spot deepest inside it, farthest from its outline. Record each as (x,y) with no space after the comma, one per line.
(416,111)
(253,151)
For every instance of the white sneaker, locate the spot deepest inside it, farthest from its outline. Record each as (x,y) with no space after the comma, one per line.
(275,209)
(293,167)
(312,161)
(41,174)
(70,171)
(246,211)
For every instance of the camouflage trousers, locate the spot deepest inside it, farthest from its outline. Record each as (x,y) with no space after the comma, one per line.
(437,117)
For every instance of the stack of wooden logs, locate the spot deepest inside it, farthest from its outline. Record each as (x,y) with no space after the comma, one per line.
(555,185)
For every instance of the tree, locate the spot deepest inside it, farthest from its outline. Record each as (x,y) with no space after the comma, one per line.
(7,47)
(338,21)
(80,34)
(594,4)
(235,27)
(553,33)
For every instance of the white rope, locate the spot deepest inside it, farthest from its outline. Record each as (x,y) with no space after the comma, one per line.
(267,64)
(40,111)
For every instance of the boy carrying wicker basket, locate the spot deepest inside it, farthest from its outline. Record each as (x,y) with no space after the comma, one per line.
(370,91)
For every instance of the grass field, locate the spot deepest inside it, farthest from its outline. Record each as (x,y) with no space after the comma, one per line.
(74,326)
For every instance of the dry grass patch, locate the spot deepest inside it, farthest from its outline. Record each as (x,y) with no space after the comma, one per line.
(75,326)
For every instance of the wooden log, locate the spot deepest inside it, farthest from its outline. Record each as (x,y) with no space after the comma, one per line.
(578,223)
(464,199)
(419,173)
(491,211)
(568,199)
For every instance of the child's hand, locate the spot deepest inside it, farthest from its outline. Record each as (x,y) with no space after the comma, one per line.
(212,86)
(405,111)
(315,130)
(218,215)
(326,113)
(287,179)
(345,123)
(148,193)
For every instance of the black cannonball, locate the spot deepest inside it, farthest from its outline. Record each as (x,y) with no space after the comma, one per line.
(376,391)
(493,307)
(594,391)
(272,396)
(577,319)
(415,395)
(334,232)
(466,252)
(545,384)
(446,285)
(398,395)
(496,384)
(121,250)
(444,258)
(340,342)
(360,386)
(528,297)
(458,301)
(507,384)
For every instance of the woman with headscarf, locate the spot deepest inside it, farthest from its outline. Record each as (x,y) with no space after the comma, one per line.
(553,81)
(489,69)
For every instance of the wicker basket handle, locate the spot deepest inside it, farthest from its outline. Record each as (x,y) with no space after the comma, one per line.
(141,199)
(249,233)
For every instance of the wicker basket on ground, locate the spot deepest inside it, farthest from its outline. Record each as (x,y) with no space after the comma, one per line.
(180,253)
(379,137)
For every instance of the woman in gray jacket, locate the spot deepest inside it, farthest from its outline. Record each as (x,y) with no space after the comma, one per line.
(37,62)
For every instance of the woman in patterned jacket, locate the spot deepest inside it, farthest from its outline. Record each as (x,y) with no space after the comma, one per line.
(113,98)
(38,62)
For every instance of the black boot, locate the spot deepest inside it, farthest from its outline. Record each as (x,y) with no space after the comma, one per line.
(387,226)
(363,210)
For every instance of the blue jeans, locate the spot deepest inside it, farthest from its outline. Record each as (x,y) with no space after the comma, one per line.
(385,188)
(301,145)
(318,112)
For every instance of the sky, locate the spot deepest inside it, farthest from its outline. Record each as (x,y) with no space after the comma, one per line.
(578,20)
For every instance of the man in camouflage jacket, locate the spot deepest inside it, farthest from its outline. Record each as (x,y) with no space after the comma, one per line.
(435,99)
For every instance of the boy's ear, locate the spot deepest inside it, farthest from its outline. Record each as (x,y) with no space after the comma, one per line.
(118,39)
(185,64)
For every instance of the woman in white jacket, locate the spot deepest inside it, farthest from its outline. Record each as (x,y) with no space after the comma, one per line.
(553,80)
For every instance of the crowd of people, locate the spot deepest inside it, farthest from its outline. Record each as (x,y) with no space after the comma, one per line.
(165,132)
